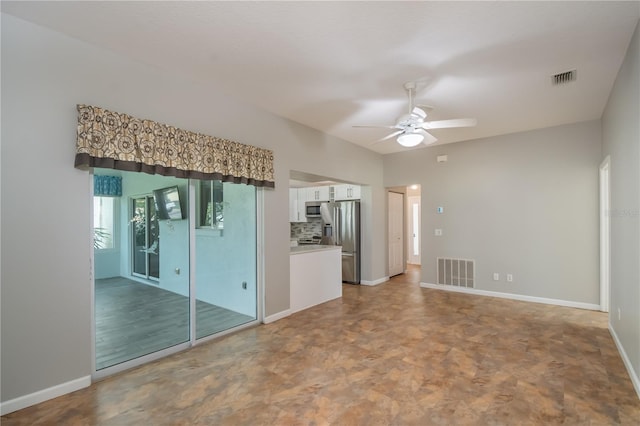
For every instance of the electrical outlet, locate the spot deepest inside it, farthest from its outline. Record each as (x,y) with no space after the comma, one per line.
(438,233)
(496,276)
(509,278)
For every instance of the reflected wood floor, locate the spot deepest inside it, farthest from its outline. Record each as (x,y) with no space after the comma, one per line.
(393,354)
(135,319)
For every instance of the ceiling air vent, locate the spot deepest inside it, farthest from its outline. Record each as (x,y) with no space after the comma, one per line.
(563,77)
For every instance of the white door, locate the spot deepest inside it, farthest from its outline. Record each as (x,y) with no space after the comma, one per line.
(413,231)
(396,240)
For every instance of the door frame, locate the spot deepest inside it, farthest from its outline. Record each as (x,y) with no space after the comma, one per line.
(148,204)
(605,232)
(402,233)
(411,258)
(192,342)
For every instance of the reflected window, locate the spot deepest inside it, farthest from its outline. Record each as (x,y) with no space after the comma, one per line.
(210,204)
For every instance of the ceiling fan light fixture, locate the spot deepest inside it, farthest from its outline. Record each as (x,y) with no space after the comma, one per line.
(428,138)
(410,139)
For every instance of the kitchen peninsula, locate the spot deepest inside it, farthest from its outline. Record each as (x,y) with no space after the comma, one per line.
(315,275)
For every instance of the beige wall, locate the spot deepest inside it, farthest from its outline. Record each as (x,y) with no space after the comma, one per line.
(524,204)
(46,287)
(414,192)
(621,141)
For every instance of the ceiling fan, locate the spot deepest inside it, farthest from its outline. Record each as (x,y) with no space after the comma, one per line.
(411,128)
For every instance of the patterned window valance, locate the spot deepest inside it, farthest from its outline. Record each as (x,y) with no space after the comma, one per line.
(118,141)
(107,186)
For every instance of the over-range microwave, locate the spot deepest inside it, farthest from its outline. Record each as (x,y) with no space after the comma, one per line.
(312,209)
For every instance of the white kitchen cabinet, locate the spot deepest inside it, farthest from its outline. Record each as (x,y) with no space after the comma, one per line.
(297,198)
(318,193)
(347,192)
(293,204)
(302,199)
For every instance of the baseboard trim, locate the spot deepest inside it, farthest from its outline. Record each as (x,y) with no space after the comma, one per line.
(520,297)
(25,401)
(625,359)
(375,282)
(275,317)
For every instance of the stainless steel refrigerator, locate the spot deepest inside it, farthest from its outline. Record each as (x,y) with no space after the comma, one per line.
(341,226)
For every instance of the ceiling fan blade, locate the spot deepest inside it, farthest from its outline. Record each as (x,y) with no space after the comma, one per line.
(446,124)
(379,127)
(419,112)
(424,107)
(428,138)
(389,136)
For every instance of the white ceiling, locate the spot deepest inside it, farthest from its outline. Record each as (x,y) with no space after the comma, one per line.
(332,65)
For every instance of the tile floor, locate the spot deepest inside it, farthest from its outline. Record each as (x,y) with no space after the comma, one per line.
(394,354)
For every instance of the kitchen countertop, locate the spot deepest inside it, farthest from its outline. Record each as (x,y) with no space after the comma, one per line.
(308,248)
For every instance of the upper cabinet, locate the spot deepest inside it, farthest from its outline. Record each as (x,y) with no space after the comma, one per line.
(346,192)
(297,198)
(318,193)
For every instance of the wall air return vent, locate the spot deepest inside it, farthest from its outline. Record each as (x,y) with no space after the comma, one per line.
(457,272)
(563,77)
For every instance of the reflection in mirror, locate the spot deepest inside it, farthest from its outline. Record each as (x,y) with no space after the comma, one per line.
(210,202)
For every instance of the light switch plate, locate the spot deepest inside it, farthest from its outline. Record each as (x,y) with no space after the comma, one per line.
(438,233)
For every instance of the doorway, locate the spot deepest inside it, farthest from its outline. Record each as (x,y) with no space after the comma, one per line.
(145,241)
(147,302)
(413,225)
(605,227)
(396,233)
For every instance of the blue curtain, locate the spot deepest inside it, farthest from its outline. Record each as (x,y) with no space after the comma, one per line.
(107,186)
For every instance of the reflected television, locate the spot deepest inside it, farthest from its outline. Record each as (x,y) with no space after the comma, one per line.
(167,202)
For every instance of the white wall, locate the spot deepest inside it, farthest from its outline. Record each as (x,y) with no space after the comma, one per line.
(224,262)
(174,234)
(174,256)
(524,204)
(621,141)
(46,322)
(106,263)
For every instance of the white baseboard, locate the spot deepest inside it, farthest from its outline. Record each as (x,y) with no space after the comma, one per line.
(25,401)
(523,298)
(275,317)
(627,362)
(375,282)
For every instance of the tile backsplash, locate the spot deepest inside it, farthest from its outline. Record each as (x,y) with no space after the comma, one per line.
(306,229)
